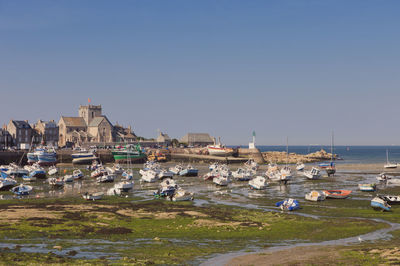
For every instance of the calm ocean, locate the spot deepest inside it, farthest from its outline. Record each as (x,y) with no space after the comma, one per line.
(349,154)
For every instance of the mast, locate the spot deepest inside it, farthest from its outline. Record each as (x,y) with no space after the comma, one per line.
(332,147)
(387,156)
(287,150)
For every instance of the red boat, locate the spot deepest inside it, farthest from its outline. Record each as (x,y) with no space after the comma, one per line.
(337,194)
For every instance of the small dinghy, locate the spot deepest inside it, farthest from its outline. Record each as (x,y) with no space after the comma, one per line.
(367,187)
(300,166)
(380,204)
(93,196)
(52,170)
(28,178)
(77,174)
(288,204)
(21,190)
(337,194)
(315,196)
(258,183)
(56,182)
(182,195)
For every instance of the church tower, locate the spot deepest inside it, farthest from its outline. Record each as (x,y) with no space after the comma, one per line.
(88,112)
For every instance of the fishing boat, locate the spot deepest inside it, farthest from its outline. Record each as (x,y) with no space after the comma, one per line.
(337,194)
(367,187)
(182,195)
(38,172)
(56,182)
(300,166)
(390,199)
(129,153)
(167,188)
(84,157)
(21,190)
(108,178)
(115,169)
(98,172)
(77,174)
(128,175)
(189,171)
(52,170)
(47,156)
(218,149)
(124,186)
(93,196)
(165,174)
(315,196)
(258,183)
(380,204)
(176,169)
(288,204)
(388,164)
(221,180)
(242,174)
(313,174)
(6,183)
(15,170)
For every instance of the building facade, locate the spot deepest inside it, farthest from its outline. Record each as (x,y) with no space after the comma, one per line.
(5,139)
(48,132)
(21,133)
(197,139)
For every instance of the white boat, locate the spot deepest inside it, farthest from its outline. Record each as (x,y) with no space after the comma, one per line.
(286,174)
(315,196)
(300,166)
(313,174)
(367,187)
(52,170)
(149,176)
(182,195)
(68,178)
(21,190)
(217,149)
(176,169)
(165,174)
(98,172)
(6,183)
(221,180)
(93,196)
(114,192)
(83,157)
(242,174)
(106,178)
(128,175)
(56,182)
(388,164)
(124,186)
(379,203)
(77,174)
(258,182)
(382,177)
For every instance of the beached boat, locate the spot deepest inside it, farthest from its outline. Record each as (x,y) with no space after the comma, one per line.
(182,195)
(176,169)
(167,188)
(221,180)
(390,199)
(189,171)
(218,149)
(124,186)
(382,177)
(288,204)
(149,176)
(21,190)
(242,174)
(47,156)
(388,164)
(128,175)
(28,178)
(300,166)
(380,204)
(313,174)
(6,183)
(38,173)
(68,178)
(93,196)
(52,170)
(17,171)
(258,183)
(98,172)
(367,187)
(129,153)
(165,174)
(56,182)
(393,181)
(337,194)
(77,174)
(84,157)
(315,196)
(108,178)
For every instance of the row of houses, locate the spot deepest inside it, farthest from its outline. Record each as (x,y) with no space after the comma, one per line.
(89,127)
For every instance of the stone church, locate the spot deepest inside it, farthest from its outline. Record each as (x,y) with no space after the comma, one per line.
(89,126)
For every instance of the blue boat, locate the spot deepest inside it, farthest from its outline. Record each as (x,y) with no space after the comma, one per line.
(21,190)
(189,171)
(38,173)
(288,204)
(367,187)
(380,204)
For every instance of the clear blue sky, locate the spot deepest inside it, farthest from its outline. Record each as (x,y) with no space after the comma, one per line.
(297,68)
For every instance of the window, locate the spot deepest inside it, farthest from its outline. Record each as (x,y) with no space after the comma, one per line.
(92,114)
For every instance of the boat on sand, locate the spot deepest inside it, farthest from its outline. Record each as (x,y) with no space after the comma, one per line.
(337,194)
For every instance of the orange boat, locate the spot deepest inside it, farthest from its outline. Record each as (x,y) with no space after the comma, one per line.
(337,194)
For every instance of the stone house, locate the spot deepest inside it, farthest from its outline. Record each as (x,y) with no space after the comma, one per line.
(48,132)
(5,138)
(21,133)
(163,138)
(123,134)
(197,139)
(72,130)
(101,129)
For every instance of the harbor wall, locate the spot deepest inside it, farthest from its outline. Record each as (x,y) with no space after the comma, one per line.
(254,154)
(7,157)
(65,156)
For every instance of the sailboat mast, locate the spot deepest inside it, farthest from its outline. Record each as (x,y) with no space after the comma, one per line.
(287,150)
(332,147)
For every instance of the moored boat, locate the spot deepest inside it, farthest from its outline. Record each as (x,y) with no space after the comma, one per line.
(52,170)
(83,157)
(258,183)
(6,183)
(218,149)
(56,182)
(380,204)
(182,195)
(124,186)
(77,174)
(129,153)
(108,178)
(21,190)
(390,199)
(300,166)
(189,171)
(367,187)
(313,174)
(288,204)
(315,196)
(93,196)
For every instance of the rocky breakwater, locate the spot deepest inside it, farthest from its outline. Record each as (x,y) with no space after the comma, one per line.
(280,157)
